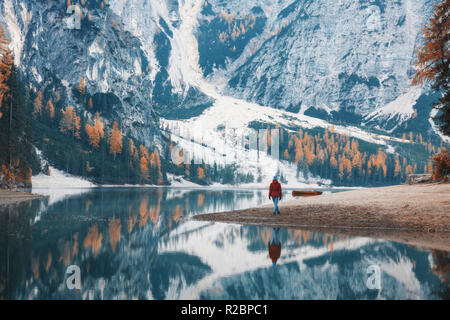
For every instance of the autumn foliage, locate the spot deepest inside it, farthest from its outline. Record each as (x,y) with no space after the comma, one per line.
(50,109)
(95,133)
(37,103)
(433,59)
(5,65)
(15,172)
(200,173)
(82,87)
(155,163)
(441,165)
(342,159)
(70,122)
(144,161)
(115,140)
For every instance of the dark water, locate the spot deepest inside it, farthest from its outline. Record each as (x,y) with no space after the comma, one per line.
(141,244)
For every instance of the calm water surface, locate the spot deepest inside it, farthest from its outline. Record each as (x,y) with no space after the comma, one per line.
(141,244)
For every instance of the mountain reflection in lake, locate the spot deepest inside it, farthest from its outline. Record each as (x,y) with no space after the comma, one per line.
(141,244)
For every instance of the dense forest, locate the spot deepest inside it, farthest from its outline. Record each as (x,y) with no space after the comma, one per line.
(101,153)
(17,156)
(326,154)
(350,161)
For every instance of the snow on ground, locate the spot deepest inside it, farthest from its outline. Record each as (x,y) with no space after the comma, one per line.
(180,182)
(60,179)
(214,150)
(176,181)
(59,184)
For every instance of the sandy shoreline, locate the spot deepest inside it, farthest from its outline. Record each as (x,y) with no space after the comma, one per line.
(414,214)
(13,197)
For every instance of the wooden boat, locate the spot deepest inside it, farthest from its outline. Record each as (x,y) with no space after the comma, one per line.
(300,193)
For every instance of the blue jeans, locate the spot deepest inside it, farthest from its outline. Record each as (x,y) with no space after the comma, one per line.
(275,237)
(275,204)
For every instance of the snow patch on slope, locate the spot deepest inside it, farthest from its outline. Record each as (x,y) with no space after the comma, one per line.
(17,37)
(435,128)
(402,107)
(59,179)
(184,66)
(58,185)
(176,181)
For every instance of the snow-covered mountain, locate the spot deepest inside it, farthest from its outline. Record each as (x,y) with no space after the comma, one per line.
(339,56)
(204,61)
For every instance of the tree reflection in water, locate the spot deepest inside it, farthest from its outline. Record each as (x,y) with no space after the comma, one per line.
(441,268)
(140,243)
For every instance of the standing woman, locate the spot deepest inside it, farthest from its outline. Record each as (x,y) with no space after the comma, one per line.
(275,194)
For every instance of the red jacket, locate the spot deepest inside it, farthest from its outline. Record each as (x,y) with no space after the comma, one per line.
(275,189)
(274,252)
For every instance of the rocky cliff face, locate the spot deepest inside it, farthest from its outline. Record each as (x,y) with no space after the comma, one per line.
(347,60)
(124,77)
(54,56)
(354,56)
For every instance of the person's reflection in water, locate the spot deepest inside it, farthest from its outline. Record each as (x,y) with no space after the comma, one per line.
(275,246)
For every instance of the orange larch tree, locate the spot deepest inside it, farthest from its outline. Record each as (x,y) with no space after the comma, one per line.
(95,133)
(70,122)
(132,150)
(155,162)
(82,87)
(115,140)
(5,65)
(50,109)
(144,161)
(200,173)
(93,136)
(37,111)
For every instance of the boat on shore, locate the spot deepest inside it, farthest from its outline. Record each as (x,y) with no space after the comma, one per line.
(307,193)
